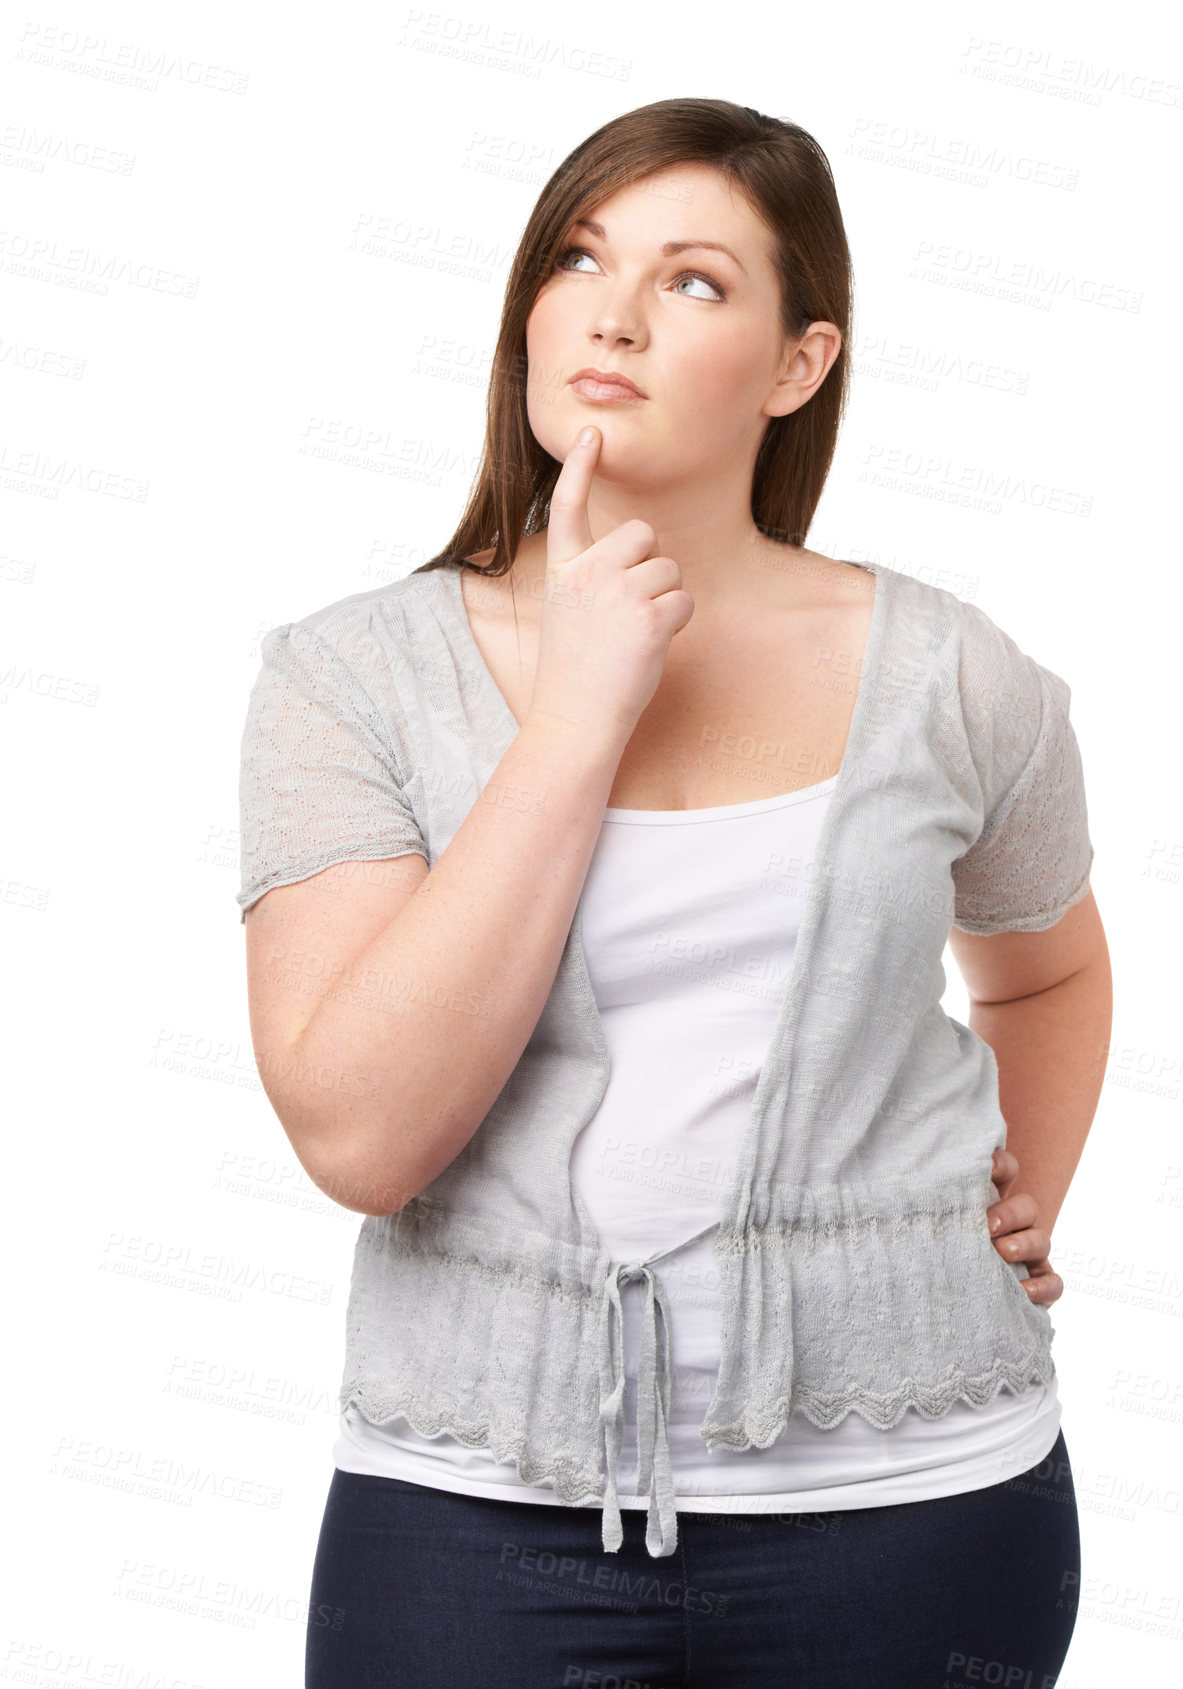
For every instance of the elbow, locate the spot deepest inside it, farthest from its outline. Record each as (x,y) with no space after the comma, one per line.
(348,1159)
(362,1183)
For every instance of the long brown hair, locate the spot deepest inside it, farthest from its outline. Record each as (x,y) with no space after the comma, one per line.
(787,179)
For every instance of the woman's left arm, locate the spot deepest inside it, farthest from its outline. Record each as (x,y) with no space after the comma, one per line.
(1043,1001)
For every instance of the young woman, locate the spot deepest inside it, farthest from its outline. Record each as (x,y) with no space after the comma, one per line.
(598,877)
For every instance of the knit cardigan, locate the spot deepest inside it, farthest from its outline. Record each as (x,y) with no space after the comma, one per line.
(857,1273)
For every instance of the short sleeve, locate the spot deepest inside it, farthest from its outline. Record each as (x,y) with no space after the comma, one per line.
(318,782)
(1033,857)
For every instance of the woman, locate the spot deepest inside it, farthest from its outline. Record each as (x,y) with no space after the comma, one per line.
(598,882)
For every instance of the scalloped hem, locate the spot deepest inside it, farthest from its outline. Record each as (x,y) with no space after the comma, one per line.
(560,1472)
(823,1410)
(882,1412)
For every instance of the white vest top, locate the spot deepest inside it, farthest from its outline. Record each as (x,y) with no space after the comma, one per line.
(690,921)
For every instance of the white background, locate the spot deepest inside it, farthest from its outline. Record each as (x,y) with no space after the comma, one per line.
(191,343)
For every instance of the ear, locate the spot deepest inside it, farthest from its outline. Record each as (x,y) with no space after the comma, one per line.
(805,363)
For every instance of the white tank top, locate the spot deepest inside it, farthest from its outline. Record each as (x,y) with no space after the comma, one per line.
(690,921)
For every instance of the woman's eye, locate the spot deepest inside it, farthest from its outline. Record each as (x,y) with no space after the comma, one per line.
(571,252)
(561,263)
(703,282)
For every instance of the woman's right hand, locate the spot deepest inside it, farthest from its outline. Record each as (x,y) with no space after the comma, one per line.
(609,611)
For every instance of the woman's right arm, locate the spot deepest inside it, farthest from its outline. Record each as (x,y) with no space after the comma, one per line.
(389,1004)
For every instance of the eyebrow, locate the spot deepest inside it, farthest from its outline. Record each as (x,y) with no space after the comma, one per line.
(671,247)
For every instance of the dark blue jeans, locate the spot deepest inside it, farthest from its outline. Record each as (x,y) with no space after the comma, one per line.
(432,1590)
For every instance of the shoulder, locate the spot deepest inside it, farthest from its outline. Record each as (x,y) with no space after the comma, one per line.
(363,629)
(990,664)
(343,670)
(1004,690)
(988,702)
(932,614)
(360,609)
(1012,711)
(986,666)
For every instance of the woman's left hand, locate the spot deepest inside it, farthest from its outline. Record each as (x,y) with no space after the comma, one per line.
(1018,1237)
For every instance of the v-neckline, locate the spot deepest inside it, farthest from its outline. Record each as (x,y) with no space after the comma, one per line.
(866,693)
(511,724)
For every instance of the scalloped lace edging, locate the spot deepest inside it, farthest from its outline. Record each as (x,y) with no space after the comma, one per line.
(570,1483)
(826,1409)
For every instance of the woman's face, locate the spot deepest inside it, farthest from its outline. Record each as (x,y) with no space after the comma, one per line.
(697,330)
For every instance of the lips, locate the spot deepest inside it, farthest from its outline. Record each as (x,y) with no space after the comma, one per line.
(610,378)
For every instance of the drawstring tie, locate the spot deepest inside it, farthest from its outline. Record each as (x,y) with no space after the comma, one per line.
(653,1399)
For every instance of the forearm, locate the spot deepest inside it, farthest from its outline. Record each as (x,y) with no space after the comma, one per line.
(1051,1050)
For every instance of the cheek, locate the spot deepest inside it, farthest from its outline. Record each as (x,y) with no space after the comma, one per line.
(723,371)
(545,373)
(546,339)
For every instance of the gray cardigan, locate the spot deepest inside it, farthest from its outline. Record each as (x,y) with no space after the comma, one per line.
(856,1268)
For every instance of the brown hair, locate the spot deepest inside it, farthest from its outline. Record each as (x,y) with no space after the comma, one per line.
(787,179)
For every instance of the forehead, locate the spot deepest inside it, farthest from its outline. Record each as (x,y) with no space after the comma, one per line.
(681,203)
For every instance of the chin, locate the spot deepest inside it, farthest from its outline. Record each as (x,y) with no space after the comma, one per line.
(557,419)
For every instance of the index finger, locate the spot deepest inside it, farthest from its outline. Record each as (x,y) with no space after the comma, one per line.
(568,532)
